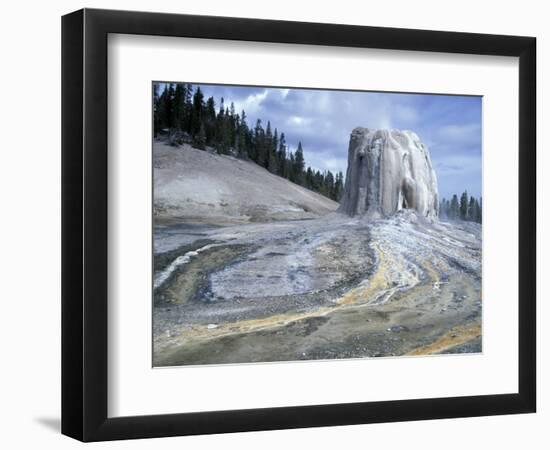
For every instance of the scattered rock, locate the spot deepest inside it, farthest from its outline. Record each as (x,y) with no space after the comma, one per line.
(397,329)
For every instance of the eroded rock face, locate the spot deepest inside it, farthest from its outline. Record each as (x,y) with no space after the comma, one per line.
(389,170)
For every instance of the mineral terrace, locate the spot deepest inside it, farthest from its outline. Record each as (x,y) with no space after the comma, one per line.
(286,274)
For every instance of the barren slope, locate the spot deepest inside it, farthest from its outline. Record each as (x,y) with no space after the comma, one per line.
(197,186)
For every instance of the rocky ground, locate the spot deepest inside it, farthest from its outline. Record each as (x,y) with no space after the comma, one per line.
(325,288)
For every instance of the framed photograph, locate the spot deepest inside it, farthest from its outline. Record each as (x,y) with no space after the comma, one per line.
(272,224)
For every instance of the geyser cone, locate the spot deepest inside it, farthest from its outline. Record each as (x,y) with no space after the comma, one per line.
(389,170)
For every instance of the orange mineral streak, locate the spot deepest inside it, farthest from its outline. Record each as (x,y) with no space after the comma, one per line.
(454,337)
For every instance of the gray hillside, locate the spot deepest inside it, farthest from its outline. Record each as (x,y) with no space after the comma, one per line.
(197,186)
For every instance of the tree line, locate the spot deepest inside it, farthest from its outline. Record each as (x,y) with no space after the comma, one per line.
(183,115)
(463,208)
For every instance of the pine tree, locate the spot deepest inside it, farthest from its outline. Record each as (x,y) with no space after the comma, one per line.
(266,145)
(156,115)
(328,181)
(318,181)
(232,125)
(281,157)
(197,112)
(446,208)
(220,129)
(472,210)
(242,137)
(339,186)
(272,165)
(454,212)
(164,108)
(291,168)
(259,134)
(464,206)
(200,138)
(308,181)
(210,120)
(170,117)
(188,110)
(299,164)
(179,108)
(275,146)
(442,208)
(464,209)
(480,217)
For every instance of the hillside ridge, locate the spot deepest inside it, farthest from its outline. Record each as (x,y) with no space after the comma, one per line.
(194,185)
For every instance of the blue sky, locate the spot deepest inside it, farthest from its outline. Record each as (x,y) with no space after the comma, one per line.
(322,119)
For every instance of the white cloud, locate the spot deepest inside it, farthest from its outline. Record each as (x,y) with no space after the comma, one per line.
(325,160)
(297,120)
(253,103)
(459,132)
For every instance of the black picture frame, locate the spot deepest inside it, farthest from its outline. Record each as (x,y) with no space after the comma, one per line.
(84,224)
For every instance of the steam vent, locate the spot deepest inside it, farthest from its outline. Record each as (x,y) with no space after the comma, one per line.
(388,170)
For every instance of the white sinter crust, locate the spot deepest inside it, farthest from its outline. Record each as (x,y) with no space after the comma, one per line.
(389,170)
